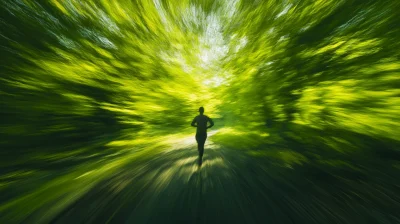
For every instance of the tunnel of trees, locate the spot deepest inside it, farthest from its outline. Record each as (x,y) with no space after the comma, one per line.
(307,91)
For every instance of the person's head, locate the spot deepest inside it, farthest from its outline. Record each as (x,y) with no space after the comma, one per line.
(201,110)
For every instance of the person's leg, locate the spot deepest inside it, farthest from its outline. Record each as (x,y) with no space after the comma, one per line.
(198,140)
(202,141)
(201,150)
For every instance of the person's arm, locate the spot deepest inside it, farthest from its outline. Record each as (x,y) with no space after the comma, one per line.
(211,123)
(194,122)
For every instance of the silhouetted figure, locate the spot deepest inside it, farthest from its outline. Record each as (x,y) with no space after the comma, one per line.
(200,121)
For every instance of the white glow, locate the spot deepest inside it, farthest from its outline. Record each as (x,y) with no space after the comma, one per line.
(284,11)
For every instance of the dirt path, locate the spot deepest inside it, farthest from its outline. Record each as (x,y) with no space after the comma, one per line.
(171,188)
(229,187)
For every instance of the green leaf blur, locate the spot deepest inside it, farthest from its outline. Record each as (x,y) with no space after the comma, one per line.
(303,92)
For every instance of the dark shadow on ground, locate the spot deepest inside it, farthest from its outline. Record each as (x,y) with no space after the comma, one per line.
(233,186)
(172,188)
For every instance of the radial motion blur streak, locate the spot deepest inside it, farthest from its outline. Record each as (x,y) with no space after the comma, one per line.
(97,97)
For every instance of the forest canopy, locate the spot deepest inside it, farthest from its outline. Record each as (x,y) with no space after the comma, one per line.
(317,78)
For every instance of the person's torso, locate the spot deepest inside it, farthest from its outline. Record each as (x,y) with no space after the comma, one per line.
(201,124)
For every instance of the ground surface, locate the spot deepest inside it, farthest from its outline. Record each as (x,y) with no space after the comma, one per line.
(167,185)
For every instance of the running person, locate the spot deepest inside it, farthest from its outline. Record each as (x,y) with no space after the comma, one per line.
(200,121)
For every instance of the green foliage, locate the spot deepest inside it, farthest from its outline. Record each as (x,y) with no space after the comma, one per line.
(73,73)
(309,86)
(318,65)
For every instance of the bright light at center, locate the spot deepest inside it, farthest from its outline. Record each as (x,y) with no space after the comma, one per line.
(214,81)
